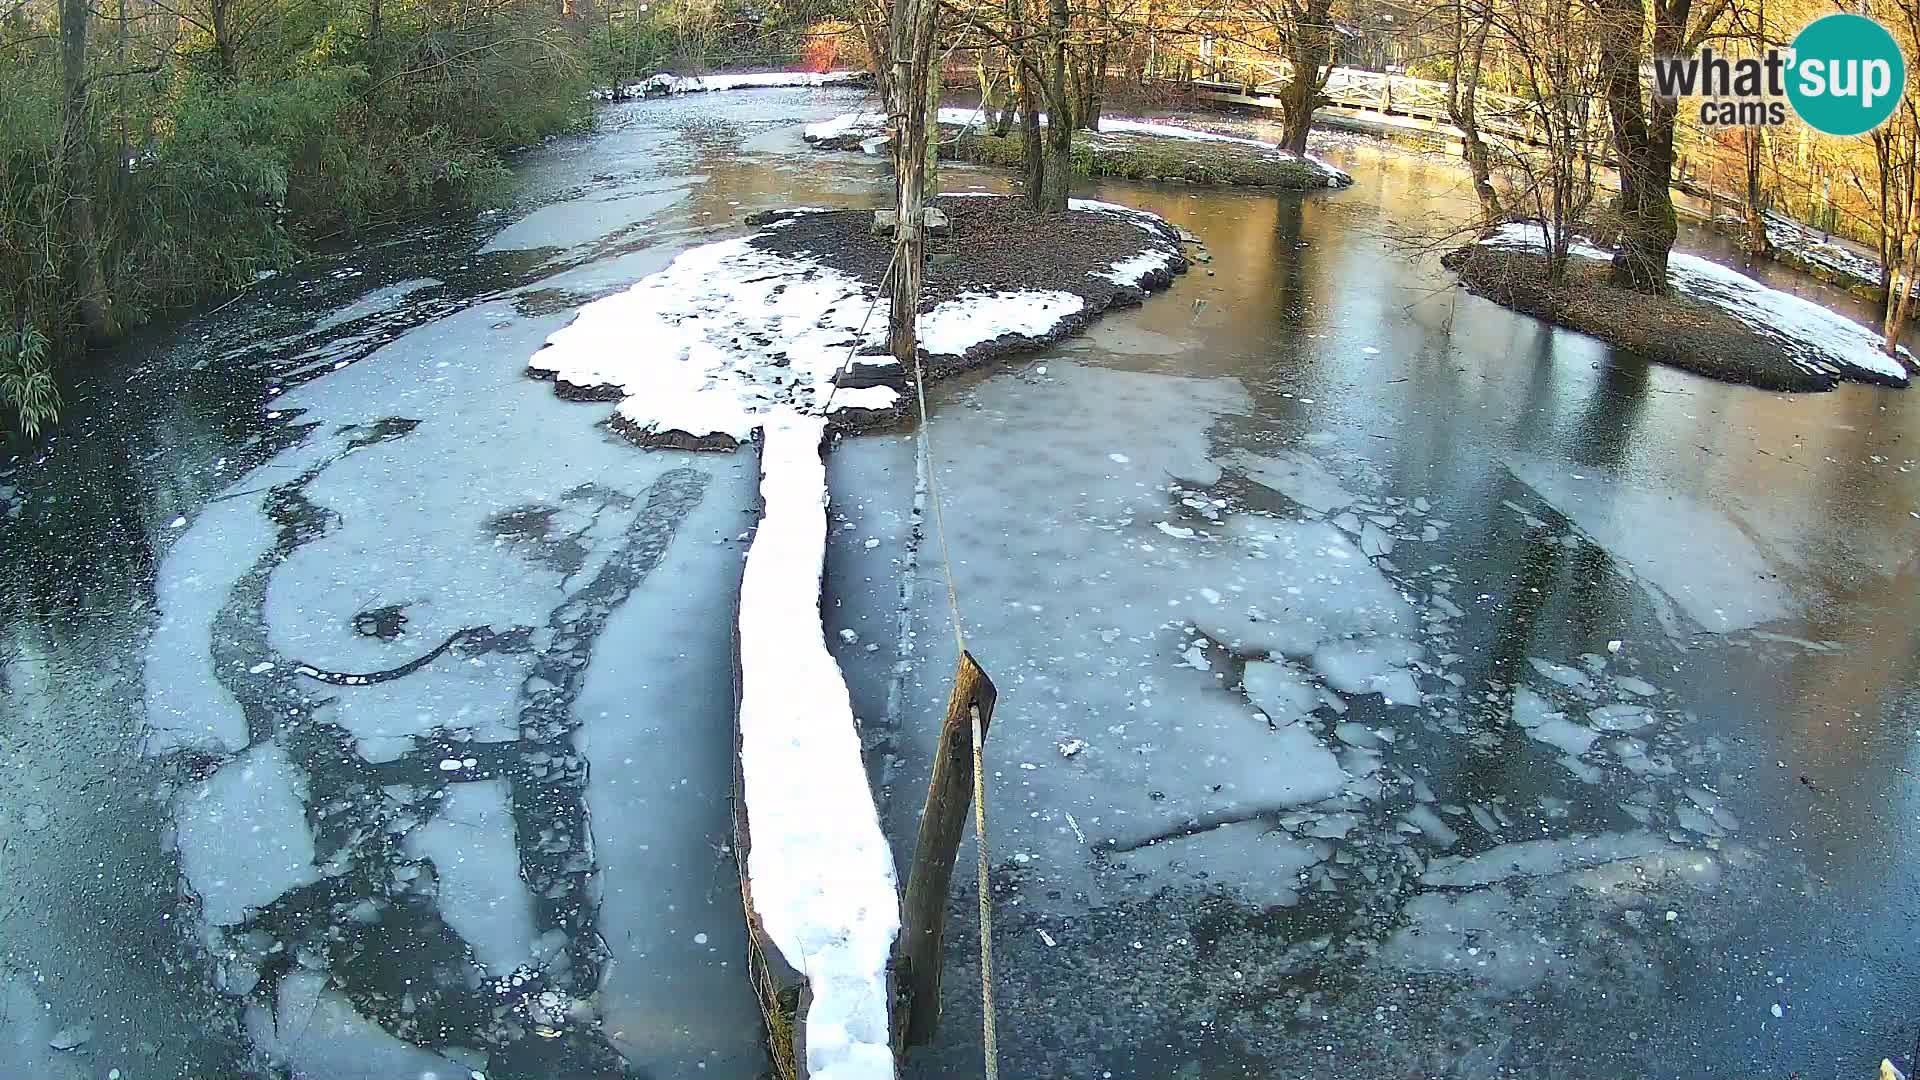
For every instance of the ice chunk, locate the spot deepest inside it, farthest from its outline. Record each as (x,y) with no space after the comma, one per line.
(1370,666)
(1560,673)
(1195,472)
(1358,736)
(1539,858)
(1620,717)
(1243,635)
(1631,685)
(1320,578)
(186,705)
(1250,859)
(1296,475)
(318,1035)
(1375,541)
(1530,709)
(1428,822)
(1276,689)
(243,834)
(1565,735)
(482,896)
(1705,563)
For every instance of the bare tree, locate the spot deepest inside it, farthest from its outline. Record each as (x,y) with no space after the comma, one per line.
(1643,125)
(1554,48)
(1471,22)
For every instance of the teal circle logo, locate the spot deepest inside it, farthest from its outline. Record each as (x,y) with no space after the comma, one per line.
(1847,74)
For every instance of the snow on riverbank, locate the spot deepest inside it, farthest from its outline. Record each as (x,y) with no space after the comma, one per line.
(667,83)
(1815,339)
(819,871)
(870,128)
(1821,254)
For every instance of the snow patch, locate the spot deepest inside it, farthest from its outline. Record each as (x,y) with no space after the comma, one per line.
(724,334)
(956,325)
(666,83)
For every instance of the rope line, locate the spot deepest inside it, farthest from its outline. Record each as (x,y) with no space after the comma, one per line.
(859,337)
(933,489)
(989,1035)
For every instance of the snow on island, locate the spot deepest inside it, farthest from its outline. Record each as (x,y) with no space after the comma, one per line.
(667,83)
(698,354)
(868,130)
(1816,340)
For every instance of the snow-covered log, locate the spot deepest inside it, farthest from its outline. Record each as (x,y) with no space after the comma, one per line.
(816,874)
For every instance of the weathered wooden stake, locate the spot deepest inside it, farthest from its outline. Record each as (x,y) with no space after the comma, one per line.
(949,795)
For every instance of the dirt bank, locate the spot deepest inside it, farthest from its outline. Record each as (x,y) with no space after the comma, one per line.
(1103,255)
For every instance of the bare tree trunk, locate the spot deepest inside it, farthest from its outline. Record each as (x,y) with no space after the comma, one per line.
(76,163)
(1057,173)
(1096,87)
(912,51)
(879,39)
(1469,53)
(1027,77)
(1309,52)
(1009,96)
(1757,241)
(1900,290)
(376,43)
(1643,143)
(930,186)
(220,13)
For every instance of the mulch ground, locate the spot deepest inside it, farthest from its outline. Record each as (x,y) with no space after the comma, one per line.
(1688,334)
(996,244)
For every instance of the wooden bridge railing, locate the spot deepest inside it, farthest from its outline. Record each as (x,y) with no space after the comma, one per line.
(1381,92)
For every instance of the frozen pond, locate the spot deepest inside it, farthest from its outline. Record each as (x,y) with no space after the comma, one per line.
(1390,685)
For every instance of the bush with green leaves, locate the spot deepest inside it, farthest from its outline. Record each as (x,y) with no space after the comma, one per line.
(221,162)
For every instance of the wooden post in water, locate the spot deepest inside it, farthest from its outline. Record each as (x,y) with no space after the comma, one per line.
(949,795)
